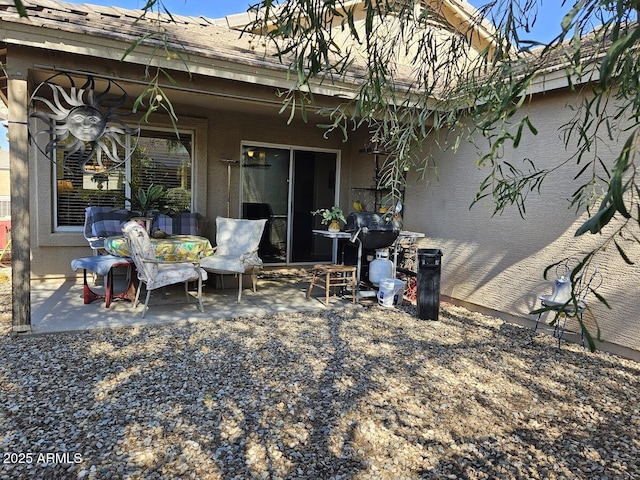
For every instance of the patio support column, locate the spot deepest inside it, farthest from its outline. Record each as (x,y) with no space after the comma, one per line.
(20,218)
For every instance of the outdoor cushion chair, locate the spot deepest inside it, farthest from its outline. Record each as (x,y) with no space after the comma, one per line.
(102,222)
(154,273)
(236,250)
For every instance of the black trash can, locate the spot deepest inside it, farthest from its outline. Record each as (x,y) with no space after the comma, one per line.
(428,295)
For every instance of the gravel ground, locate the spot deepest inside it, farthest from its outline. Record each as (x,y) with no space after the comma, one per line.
(364,393)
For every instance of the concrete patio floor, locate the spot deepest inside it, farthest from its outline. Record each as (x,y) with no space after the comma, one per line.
(57,305)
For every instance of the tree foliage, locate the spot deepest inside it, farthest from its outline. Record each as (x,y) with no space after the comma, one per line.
(417,88)
(452,96)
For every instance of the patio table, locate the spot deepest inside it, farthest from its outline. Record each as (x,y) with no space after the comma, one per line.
(174,247)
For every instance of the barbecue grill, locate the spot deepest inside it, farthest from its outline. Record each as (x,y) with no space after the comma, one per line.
(370,231)
(374,230)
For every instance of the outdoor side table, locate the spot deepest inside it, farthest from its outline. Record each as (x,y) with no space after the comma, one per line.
(104,265)
(334,276)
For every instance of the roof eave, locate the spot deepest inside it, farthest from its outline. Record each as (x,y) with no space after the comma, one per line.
(206,63)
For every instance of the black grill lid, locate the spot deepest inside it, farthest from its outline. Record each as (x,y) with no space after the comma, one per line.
(371,222)
(374,230)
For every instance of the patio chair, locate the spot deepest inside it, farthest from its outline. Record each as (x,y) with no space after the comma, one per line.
(569,297)
(156,273)
(102,222)
(236,250)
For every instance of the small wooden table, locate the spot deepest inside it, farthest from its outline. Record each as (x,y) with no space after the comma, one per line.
(334,276)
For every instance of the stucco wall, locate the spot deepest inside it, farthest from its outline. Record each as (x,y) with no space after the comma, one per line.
(497,262)
(493,262)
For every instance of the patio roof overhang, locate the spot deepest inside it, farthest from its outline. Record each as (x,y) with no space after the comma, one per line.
(254,69)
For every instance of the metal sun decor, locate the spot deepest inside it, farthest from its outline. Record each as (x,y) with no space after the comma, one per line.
(81,122)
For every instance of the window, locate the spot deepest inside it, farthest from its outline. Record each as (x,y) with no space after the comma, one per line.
(159,158)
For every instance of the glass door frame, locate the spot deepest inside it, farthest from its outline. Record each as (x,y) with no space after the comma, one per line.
(290,191)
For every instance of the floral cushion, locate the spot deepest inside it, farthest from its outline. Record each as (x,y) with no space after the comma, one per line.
(170,273)
(141,250)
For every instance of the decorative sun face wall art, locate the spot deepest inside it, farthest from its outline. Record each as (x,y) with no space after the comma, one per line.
(84,123)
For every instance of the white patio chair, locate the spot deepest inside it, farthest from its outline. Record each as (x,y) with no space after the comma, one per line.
(155,273)
(236,250)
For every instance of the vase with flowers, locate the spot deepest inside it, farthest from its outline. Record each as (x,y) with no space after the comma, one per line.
(331,216)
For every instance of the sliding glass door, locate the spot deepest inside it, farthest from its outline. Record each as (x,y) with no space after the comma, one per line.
(283,186)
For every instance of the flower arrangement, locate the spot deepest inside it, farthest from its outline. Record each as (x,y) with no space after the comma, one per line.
(329,215)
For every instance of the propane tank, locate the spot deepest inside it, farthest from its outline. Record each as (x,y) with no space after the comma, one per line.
(381,267)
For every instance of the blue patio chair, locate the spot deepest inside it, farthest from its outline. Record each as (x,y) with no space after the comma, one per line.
(102,222)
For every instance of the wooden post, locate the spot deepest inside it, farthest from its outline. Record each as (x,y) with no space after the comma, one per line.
(20,218)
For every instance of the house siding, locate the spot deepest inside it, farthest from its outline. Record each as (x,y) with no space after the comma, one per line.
(489,262)
(497,262)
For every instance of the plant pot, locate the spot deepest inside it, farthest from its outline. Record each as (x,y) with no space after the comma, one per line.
(334,226)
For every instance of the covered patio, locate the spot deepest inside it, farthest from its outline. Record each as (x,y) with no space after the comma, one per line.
(57,304)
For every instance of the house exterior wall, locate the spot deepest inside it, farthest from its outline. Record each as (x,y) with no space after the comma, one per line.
(493,262)
(497,262)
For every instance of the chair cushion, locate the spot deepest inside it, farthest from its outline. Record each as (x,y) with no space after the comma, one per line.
(170,273)
(154,274)
(164,223)
(222,264)
(141,249)
(238,237)
(101,264)
(181,223)
(186,223)
(107,222)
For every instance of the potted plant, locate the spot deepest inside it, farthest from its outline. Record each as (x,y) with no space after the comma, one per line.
(331,216)
(145,202)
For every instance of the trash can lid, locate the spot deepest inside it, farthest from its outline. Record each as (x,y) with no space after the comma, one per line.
(430,251)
